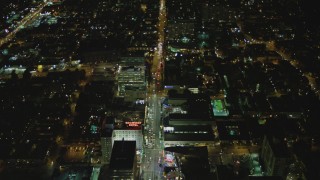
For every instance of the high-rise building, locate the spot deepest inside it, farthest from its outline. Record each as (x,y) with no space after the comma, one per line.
(131,77)
(123,160)
(275,156)
(106,147)
(106,141)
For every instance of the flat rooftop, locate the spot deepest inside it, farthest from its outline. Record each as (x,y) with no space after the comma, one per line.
(123,154)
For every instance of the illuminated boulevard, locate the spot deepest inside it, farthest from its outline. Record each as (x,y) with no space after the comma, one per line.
(150,168)
(24,22)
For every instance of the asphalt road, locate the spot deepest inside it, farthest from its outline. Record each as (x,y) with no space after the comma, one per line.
(150,168)
(28,19)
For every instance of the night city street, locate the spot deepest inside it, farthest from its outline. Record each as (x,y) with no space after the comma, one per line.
(159,90)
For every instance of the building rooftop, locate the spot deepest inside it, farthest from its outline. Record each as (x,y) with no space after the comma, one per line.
(232,130)
(278,147)
(265,178)
(185,117)
(190,133)
(193,161)
(123,155)
(199,151)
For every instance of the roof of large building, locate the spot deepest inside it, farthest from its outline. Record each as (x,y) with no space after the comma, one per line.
(190,133)
(185,117)
(265,178)
(232,130)
(123,154)
(193,161)
(201,151)
(188,137)
(278,146)
(106,132)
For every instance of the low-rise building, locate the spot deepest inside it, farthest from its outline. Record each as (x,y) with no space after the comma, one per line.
(188,136)
(128,134)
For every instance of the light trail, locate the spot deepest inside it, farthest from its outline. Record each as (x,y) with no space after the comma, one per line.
(25,21)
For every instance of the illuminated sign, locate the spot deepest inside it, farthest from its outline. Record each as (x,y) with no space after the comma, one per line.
(168,129)
(139,101)
(94,129)
(133,124)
